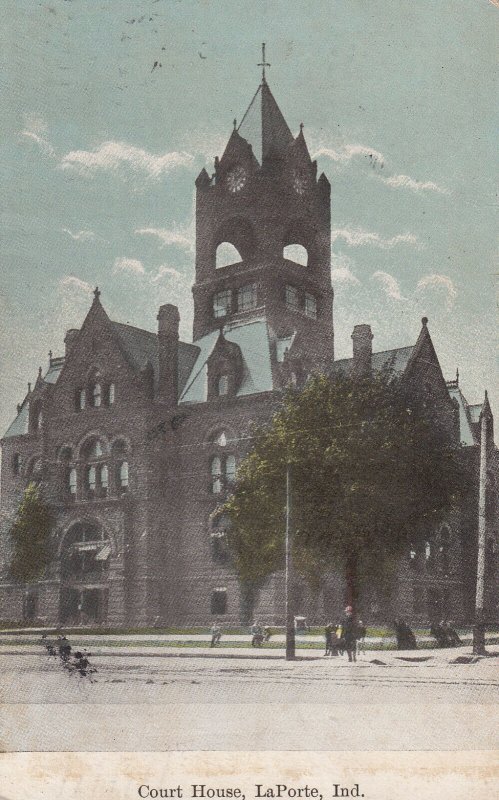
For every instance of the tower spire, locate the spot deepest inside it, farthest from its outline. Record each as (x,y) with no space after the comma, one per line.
(263,63)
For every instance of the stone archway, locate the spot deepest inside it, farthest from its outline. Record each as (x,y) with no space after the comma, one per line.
(84,560)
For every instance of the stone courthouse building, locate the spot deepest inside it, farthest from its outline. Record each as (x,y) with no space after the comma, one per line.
(136,436)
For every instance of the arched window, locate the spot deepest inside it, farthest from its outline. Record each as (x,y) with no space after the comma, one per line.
(80,399)
(72,482)
(95,471)
(123,476)
(216,475)
(219,601)
(218,539)
(220,439)
(104,478)
(16,464)
(297,253)
(96,395)
(223,385)
(227,254)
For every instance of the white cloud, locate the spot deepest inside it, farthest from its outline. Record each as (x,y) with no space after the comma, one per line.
(110,156)
(80,236)
(341,272)
(169,237)
(346,152)
(389,284)
(35,129)
(132,265)
(167,272)
(440,282)
(356,237)
(73,284)
(405,182)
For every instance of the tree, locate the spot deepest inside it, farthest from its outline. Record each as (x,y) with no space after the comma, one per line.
(371,473)
(30,536)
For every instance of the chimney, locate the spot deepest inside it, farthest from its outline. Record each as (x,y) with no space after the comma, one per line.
(362,350)
(69,339)
(168,322)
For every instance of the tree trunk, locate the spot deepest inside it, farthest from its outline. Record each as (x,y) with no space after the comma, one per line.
(351,581)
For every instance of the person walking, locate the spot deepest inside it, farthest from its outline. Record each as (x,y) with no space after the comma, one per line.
(349,633)
(328,633)
(216,634)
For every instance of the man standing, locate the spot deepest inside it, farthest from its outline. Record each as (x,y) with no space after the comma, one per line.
(350,633)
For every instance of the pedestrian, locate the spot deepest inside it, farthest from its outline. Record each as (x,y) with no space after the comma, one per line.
(349,634)
(438,631)
(361,636)
(267,633)
(452,635)
(328,633)
(256,634)
(216,634)
(405,637)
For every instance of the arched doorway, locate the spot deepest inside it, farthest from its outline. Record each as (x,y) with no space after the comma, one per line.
(85,559)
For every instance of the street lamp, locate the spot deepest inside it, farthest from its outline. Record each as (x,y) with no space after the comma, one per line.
(479,626)
(290,617)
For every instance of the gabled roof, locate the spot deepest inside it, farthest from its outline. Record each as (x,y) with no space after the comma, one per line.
(394,361)
(264,126)
(252,339)
(19,427)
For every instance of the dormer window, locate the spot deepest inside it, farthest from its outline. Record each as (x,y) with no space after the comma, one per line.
(247,297)
(292,298)
(310,306)
(222,303)
(223,386)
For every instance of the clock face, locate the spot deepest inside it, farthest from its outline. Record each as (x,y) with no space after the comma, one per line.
(300,181)
(236,179)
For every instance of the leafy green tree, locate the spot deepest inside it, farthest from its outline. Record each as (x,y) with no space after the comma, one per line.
(30,536)
(371,471)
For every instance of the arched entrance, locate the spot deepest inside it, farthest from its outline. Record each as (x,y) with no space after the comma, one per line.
(85,556)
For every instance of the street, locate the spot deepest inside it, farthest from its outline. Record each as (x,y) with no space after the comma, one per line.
(136,702)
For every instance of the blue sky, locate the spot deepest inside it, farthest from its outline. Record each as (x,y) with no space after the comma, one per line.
(99,152)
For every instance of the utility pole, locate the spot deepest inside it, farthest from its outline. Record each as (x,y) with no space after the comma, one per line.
(479,626)
(290,616)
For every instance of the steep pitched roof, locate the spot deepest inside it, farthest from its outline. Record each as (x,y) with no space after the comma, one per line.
(394,361)
(141,346)
(252,339)
(264,126)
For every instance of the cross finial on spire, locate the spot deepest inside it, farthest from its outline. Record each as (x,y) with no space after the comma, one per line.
(96,293)
(263,63)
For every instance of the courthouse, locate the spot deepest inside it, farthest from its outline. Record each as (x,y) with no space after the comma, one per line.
(136,436)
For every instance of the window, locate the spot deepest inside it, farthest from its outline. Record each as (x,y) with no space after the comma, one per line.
(104,478)
(222,303)
(230,469)
(72,481)
(110,394)
(218,540)
(219,601)
(310,306)
(246,297)
(91,478)
(223,385)
(16,464)
(95,450)
(123,476)
(292,299)
(96,395)
(216,475)
(30,606)
(221,439)
(80,399)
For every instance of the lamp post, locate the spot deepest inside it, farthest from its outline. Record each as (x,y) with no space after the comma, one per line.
(290,618)
(479,626)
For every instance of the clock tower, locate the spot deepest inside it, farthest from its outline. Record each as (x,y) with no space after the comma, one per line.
(265,208)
